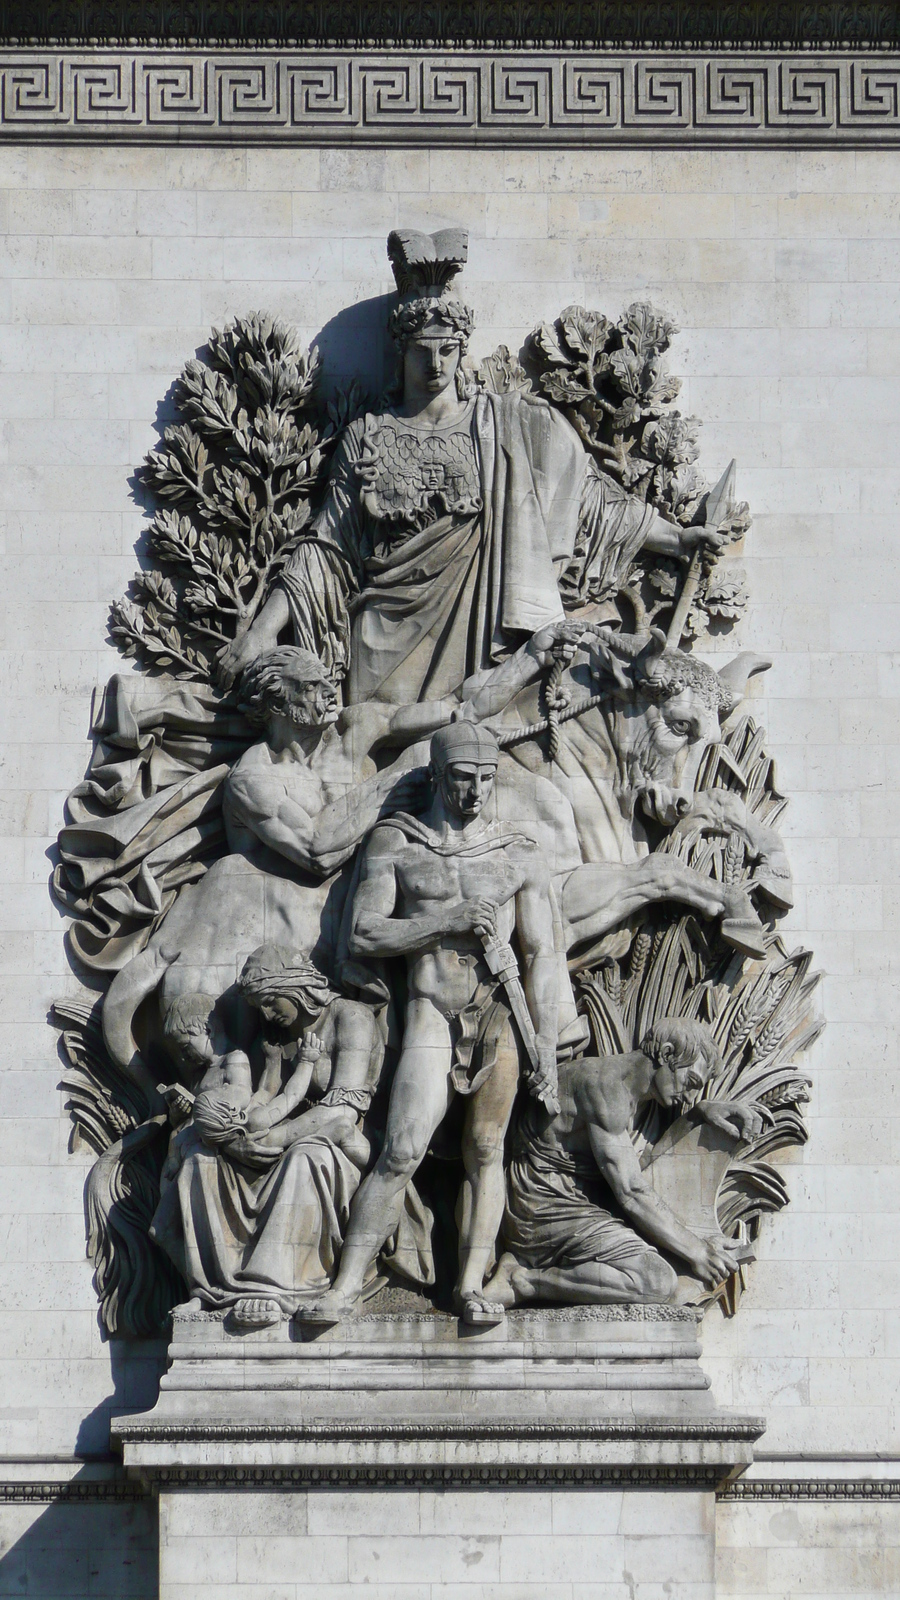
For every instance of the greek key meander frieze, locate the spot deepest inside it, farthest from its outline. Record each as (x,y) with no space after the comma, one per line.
(411,96)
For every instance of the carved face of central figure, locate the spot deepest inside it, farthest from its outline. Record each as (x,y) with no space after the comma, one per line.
(465,787)
(280,1009)
(430,364)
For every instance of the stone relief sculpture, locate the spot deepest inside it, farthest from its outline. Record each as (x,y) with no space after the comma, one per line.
(430,881)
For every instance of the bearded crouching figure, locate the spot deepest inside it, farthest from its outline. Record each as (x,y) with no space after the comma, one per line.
(563,1242)
(457,870)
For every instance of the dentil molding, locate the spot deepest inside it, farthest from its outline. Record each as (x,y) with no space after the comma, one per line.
(416,1477)
(820,23)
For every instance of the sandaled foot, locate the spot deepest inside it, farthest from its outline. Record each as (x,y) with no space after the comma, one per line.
(331,1308)
(188,1308)
(477,1311)
(256,1313)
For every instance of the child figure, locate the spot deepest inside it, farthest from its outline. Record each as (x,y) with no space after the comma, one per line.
(255,1126)
(255,1218)
(194,1033)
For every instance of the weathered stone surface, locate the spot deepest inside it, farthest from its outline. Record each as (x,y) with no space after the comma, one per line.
(561,499)
(435,96)
(796,385)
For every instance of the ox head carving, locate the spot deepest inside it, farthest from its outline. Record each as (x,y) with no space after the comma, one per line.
(666,710)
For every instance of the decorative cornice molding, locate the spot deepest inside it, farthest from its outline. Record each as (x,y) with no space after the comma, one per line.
(813,1489)
(714,1429)
(568,96)
(442,1477)
(652,22)
(438,1477)
(49,1493)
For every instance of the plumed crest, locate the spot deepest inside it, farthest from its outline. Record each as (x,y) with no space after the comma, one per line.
(424,262)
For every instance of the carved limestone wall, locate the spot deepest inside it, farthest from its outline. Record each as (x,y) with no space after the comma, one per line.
(779,267)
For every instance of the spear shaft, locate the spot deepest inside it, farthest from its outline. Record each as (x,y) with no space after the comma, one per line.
(716,502)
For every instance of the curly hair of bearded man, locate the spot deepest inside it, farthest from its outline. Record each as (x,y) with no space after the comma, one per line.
(263,681)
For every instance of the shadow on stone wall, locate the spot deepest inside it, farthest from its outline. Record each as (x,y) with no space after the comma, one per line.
(356,344)
(135,1368)
(75,1548)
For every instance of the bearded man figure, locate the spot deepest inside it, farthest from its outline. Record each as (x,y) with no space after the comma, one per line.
(564,1243)
(297,805)
(450,518)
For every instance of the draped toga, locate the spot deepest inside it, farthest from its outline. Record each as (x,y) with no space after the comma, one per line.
(272,1224)
(438,549)
(554,1213)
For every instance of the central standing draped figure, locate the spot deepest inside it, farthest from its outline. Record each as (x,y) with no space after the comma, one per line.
(448,519)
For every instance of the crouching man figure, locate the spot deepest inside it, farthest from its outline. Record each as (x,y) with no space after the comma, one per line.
(563,1244)
(433,889)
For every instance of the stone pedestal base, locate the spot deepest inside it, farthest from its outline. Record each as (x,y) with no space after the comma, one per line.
(436,1544)
(562,1454)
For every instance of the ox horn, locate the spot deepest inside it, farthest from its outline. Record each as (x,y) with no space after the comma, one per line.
(733,676)
(647,658)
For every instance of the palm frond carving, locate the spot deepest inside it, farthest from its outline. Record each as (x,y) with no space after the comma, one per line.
(136,1283)
(762,1014)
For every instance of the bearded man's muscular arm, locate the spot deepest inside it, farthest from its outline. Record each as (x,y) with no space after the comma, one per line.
(606,1112)
(256,802)
(320,842)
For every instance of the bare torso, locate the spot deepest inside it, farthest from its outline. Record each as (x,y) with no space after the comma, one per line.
(448,972)
(592,1092)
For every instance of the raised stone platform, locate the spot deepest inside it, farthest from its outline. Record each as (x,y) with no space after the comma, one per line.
(593,1395)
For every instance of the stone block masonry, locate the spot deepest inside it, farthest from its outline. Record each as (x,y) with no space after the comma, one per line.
(780,266)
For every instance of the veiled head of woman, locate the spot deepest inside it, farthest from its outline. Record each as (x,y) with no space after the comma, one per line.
(283,985)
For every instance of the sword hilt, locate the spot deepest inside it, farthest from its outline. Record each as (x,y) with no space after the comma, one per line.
(500,958)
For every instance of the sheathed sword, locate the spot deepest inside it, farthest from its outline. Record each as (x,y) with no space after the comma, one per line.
(502,964)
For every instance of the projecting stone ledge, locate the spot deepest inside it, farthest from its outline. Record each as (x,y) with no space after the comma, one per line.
(589,1395)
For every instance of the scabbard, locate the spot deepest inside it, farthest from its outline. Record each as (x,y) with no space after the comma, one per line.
(502,964)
